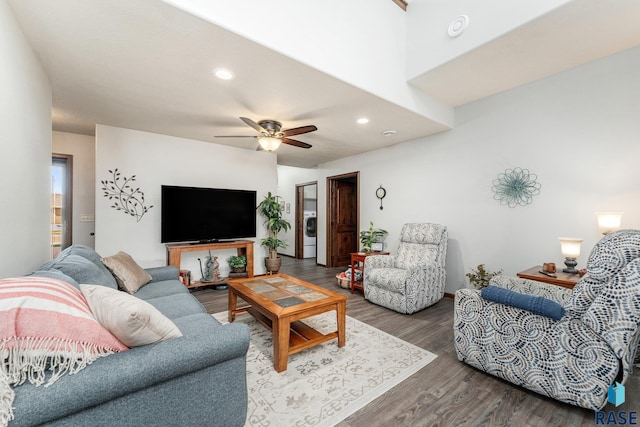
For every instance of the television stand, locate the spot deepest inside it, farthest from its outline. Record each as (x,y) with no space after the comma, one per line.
(243,247)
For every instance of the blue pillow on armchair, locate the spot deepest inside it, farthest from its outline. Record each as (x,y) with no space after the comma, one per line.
(535,304)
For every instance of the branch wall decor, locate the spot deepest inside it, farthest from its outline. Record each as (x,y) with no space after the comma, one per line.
(516,187)
(125,197)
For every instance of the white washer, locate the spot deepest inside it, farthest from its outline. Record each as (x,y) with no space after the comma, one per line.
(309,226)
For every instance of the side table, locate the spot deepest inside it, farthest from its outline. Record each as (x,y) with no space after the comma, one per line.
(357,264)
(565,280)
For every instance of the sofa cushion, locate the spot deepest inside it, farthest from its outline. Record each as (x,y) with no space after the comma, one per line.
(391,279)
(129,275)
(56,274)
(609,256)
(101,276)
(161,289)
(133,321)
(178,305)
(82,270)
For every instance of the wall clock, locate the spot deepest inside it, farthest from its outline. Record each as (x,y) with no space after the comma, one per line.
(380,193)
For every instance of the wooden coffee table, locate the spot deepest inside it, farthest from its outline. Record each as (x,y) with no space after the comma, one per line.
(279,302)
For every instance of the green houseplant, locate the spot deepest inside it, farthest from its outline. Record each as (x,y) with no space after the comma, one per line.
(270,209)
(480,277)
(238,263)
(367,237)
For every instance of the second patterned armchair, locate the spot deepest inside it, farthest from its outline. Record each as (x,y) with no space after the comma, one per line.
(414,278)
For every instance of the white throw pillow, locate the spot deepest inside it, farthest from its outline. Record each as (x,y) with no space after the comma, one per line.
(129,275)
(133,321)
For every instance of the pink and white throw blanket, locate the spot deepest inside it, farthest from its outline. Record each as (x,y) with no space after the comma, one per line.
(45,326)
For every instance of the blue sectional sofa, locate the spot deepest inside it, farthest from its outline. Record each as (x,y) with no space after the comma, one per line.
(197,379)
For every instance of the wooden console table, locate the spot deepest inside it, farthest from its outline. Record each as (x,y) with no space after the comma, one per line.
(244,247)
(565,280)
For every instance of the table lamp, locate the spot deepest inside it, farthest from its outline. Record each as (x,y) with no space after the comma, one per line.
(570,248)
(609,221)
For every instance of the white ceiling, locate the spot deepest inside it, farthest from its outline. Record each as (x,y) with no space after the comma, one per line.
(146,65)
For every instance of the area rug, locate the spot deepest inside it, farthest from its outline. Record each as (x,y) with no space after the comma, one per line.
(324,384)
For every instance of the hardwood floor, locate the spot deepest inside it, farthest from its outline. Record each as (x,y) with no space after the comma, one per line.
(447,392)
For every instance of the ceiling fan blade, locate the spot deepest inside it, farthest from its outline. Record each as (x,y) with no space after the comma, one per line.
(295,143)
(253,124)
(300,130)
(235,136)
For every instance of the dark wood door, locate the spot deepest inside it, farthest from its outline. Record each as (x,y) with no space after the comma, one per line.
(344,221)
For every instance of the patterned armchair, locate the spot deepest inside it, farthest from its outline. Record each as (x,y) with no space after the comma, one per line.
(573,359)
(413,279)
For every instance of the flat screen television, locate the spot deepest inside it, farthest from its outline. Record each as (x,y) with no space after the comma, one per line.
(206,214)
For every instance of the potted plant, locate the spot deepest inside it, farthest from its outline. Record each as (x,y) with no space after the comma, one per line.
(372,235)
(480,277)
(271,210)
(238,263)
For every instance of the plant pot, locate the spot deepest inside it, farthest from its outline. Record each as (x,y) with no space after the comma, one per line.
(273,264)
(239,269)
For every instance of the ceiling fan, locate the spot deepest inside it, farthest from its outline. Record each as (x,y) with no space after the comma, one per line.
(271,135)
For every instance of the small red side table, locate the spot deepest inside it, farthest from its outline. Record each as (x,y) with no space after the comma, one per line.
(357,264)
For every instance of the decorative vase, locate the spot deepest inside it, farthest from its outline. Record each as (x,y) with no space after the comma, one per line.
(273,264)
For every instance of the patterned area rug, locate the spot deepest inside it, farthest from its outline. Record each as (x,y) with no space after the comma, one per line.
(324,384)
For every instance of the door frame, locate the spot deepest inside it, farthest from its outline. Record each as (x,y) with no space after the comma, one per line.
(330,237)
(299,218)
(67,206)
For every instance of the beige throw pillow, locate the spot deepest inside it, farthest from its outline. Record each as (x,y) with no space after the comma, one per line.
(129,275)
(133,321)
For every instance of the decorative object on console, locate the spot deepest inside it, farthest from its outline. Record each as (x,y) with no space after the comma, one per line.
(368,237)
(570,248)
(515,187)
(237,263)
(549,267)
(380,194)
(211,271)
(609,221)
(480,277)
(271,210)
(125,197)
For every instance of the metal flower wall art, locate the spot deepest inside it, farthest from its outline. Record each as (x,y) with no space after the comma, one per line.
(125,196)
(515,187)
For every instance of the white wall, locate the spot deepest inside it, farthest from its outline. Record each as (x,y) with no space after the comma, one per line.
(25,148)
(429,45)
(83,150)
(314,33)
(160,159)
(578,131)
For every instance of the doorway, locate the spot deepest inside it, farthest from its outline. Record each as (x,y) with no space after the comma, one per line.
(61,182)
(306,220)
(343,201)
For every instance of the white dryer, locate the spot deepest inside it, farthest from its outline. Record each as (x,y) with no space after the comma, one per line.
(309,226)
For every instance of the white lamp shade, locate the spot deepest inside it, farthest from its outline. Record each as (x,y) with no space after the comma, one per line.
(269,143)
(570,247)
(609,221)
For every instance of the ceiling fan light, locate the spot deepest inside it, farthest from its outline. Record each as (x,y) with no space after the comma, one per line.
(269,143)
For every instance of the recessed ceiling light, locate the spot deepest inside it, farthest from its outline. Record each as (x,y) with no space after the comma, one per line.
(389,133)
(362,121)
(223,73)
